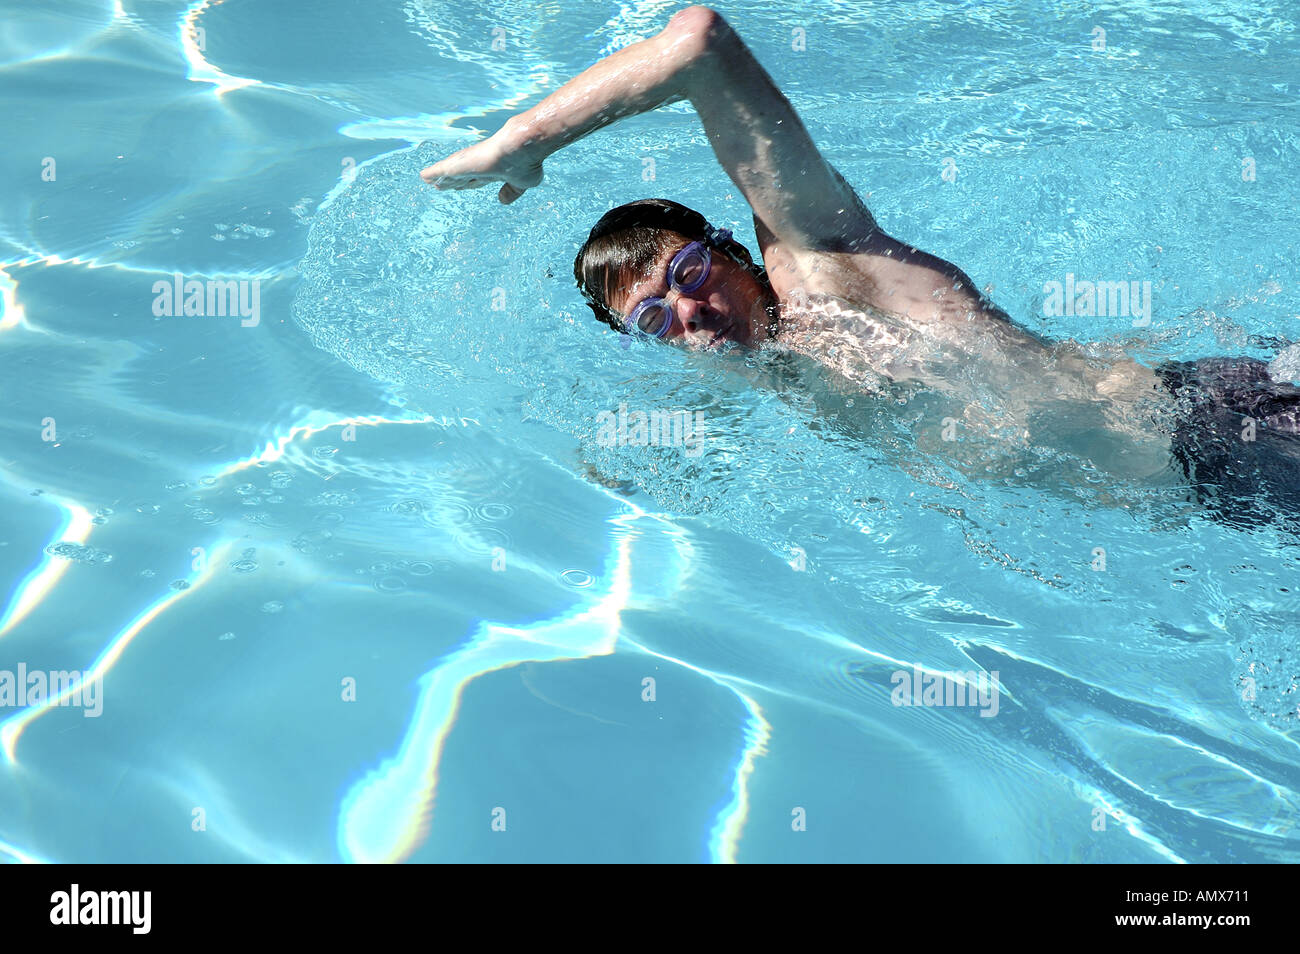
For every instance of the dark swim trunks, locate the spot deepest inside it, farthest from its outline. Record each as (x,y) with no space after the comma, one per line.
(1245,480)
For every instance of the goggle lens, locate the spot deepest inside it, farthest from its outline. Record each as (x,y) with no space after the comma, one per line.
(690,268)
(653,317)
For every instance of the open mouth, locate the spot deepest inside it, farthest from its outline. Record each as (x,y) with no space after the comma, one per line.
(720,336)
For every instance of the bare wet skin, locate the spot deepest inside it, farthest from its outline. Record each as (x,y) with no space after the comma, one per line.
(990,396)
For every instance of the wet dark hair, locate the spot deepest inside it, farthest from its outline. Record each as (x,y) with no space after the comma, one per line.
(628,240)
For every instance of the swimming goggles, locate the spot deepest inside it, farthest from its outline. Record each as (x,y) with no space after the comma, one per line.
(688,270)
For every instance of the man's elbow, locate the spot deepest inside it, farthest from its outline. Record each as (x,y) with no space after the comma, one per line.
(697,31)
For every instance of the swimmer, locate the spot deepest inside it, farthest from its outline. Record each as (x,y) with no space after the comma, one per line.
(870,309)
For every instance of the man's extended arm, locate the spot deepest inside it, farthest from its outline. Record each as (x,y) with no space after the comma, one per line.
(755,132)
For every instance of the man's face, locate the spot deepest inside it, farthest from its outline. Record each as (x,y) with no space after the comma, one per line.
(729,306)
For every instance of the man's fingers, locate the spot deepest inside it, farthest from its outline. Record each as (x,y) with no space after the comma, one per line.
(438,177)
(443,183)
(441,179)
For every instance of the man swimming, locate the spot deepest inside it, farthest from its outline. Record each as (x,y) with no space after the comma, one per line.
(882,316)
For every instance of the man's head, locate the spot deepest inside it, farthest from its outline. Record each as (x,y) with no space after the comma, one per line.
(625,260)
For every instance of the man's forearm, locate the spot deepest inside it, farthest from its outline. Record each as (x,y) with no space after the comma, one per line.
(636,79)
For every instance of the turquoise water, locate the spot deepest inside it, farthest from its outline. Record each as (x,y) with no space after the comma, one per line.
(361,581)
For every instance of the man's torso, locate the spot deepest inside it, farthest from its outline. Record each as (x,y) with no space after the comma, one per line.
(892,316)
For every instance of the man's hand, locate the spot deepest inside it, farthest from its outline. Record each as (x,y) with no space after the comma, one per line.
(500,158)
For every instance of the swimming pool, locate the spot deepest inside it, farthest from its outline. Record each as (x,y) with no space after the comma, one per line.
(361,575)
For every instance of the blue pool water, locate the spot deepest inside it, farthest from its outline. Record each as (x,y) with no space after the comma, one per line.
(359,579)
